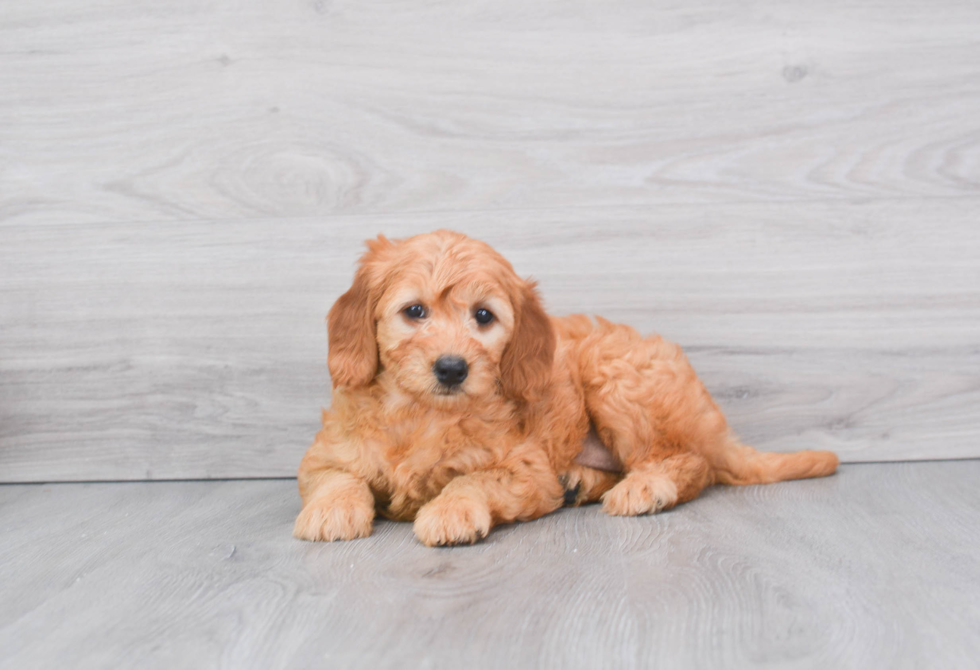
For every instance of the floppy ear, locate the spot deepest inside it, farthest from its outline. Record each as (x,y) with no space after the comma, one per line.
(353,348)
(525,368)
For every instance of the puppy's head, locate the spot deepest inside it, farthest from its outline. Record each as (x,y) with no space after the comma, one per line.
(446,317)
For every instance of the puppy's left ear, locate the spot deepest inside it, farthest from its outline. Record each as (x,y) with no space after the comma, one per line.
(525,368)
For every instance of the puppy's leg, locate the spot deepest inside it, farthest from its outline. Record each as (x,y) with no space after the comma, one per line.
(336,506)
(654,487)
(585,485)
(654,414)
(470,505)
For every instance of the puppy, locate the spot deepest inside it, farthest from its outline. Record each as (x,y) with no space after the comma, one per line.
(460,404)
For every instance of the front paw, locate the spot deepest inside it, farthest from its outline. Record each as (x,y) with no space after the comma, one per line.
(334,518)
(452,520)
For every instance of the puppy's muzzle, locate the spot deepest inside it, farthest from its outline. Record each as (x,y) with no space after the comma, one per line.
(450,370)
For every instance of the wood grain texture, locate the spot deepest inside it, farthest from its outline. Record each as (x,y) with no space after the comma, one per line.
(789,190)
(128,111)
(197,350)
(875,567)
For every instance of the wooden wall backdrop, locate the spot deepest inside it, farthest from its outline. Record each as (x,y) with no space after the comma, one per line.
(790,189)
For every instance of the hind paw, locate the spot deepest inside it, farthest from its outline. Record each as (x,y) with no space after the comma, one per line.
(640,493)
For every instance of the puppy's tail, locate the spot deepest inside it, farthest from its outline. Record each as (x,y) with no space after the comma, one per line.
(738,464)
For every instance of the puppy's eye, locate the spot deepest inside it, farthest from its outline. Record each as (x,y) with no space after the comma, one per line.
(415,312)
(483,316)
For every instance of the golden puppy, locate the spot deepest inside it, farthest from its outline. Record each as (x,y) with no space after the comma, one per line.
(457,402)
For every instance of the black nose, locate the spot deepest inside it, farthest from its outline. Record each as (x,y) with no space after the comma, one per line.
(450,370)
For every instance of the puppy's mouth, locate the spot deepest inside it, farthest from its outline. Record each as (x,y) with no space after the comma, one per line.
(447,391)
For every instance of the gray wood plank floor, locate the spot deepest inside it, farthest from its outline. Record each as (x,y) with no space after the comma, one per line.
(878,566)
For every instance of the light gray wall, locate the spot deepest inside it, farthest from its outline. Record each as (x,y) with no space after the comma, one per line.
(790,190)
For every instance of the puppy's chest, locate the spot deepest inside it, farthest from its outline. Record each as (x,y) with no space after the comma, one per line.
(420,458)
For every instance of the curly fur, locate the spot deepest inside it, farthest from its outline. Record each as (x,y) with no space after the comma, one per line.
(503,446)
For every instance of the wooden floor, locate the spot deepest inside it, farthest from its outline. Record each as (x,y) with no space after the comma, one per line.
(876,567)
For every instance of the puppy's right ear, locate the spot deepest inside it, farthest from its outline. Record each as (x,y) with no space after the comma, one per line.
(351,329)
(353,348)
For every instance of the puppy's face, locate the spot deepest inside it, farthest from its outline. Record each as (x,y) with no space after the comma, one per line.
(442,333)
(446,317)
